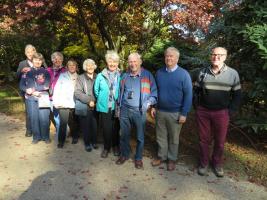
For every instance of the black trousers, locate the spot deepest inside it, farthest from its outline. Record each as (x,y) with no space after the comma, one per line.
(111,126)
(67,117)
(89,127)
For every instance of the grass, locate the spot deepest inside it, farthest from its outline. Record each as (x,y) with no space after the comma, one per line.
(10,102)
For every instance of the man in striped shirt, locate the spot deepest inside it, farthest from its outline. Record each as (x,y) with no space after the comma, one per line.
(220,94)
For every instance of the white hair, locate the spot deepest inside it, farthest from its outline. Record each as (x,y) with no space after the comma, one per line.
(112,55)
(135,54)
(88,62)
(174,50)
(57,54)
(29,46)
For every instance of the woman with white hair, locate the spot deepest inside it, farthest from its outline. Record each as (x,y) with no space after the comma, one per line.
(63,101)
(84,93)
(106,90)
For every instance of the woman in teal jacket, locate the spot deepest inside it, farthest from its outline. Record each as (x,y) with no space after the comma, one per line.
(106,90)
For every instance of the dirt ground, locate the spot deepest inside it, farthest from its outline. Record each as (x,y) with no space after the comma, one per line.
(43,172)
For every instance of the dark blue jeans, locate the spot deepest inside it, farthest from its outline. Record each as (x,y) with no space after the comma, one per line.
(39,118)
(128,118)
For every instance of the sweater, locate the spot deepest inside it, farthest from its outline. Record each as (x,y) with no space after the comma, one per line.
(174,90)
(37,79)
(220,91)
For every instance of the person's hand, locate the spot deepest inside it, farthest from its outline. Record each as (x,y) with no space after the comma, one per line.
(91,104)
(181,119)
(153,112)
(29,91)
(25,69)
(36,94)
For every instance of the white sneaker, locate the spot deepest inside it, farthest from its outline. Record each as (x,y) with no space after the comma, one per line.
(202,171)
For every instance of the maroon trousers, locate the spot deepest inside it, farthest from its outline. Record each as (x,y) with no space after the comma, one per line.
(212,124)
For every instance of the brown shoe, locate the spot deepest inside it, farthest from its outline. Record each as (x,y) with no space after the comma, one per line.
(138,164)
(121,160)
(156,162)
(171,165)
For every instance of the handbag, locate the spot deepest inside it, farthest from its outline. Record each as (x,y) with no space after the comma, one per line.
(43,100)
(80,108)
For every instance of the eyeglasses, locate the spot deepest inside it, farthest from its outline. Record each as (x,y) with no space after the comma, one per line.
(219,55)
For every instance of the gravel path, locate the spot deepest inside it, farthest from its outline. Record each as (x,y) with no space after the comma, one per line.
(43,172)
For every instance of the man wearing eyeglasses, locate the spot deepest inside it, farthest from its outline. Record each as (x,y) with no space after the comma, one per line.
(220,94)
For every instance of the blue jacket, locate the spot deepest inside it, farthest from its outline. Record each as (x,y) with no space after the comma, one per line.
(101,90)
(148,89)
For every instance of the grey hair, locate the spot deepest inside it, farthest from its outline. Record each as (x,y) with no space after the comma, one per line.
(57,54)
(29,46)
(135,54)
(174,50)
(88,62)
(113,55)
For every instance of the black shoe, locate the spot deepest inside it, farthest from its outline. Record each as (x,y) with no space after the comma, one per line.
(60,145)
(74,140)
(28,134)
(95,146)
(116,151)
(104,153)
(88,148)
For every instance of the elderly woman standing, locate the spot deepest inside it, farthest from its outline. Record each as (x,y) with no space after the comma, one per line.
(63,101)
(24,67)
(106,91)
(54,71)
(84,93)
(35,84)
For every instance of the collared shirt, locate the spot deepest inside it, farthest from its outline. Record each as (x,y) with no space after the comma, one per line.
(172,69)
(223,69)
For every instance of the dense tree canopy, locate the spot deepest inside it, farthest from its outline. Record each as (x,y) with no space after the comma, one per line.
(87,28)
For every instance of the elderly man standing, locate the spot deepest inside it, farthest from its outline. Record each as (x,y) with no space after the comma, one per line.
(138,92)
(174,102)
(220,94)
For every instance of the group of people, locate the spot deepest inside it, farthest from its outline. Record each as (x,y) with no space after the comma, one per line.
(121,101)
